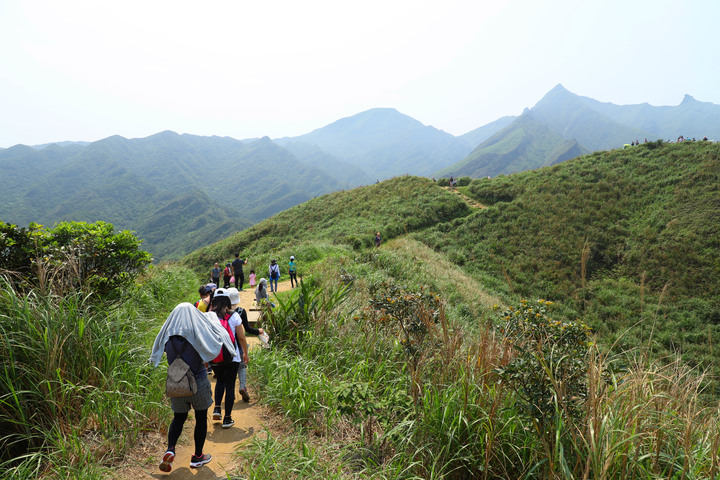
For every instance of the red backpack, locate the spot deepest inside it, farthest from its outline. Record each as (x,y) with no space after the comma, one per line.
(225,356)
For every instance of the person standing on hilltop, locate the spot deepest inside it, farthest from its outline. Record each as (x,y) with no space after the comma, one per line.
(274,274)
(215,274)
(292,271)
(237,265)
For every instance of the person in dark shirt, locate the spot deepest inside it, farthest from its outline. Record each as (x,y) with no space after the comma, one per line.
(237,265)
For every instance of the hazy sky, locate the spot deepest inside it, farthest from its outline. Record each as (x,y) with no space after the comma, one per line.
(85,70)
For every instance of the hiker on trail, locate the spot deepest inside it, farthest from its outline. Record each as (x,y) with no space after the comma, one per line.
(226,373)
(227,275)
(377,240)
(274,274)
(261,295)
(196,338)
(215,274)
(205,292)
(292,271)
(242,368)
(252,279)
(451,181)
(237,265)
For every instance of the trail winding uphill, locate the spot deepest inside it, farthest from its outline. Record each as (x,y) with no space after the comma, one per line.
(221,443)
(467,199)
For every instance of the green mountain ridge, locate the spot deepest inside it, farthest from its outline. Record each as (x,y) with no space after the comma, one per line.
(133,183)
(646,217)
(592,125)
(516,148)
(384,143)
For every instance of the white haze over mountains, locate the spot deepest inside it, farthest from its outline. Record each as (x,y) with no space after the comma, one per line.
(85,70)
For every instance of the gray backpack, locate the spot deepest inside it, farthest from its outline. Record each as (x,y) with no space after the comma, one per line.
(180,380)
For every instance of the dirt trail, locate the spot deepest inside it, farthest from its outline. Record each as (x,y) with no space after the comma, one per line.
(467,199)
(220,443)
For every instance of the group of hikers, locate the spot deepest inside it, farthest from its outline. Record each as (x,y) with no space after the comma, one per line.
(233,274)
(209,337)
(680,139)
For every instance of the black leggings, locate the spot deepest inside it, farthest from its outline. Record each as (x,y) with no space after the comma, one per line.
(200,430)
(225,377)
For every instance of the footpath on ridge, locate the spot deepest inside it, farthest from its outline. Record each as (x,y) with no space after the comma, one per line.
(467,199)
(220,443)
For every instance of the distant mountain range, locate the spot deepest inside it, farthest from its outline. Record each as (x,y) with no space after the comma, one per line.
(179,192)
(563,125)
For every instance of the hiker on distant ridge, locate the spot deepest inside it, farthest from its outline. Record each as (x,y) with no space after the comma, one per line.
(237,265)
(377,240)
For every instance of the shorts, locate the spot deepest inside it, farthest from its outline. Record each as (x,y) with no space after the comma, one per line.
(202,400)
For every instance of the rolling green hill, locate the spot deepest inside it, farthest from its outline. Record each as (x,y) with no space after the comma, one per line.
(627,240)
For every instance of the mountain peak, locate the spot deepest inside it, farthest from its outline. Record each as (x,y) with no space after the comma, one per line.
(687,99)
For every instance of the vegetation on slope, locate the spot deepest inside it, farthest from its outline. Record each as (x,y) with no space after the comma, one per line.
(349,218)
(627,239)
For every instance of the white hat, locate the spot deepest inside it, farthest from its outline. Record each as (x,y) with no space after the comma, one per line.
(221,292)
(234,295)
(292,257)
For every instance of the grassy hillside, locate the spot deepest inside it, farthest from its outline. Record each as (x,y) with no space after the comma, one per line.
(348,219)
(627,240)
(623,240)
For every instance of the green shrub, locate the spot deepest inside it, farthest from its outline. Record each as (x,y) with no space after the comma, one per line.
(549,371)
(464,181)
(73,256)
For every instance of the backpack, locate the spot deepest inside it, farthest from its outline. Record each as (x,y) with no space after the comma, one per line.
(226,272)
(274,272)
(225,356)
(180,381)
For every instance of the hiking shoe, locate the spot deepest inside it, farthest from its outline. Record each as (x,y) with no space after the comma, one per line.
(244,395)
(227,422)
(196,462)
(166,464)
(216,414)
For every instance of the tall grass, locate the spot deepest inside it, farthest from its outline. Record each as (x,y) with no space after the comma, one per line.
(77,390)
(447,415)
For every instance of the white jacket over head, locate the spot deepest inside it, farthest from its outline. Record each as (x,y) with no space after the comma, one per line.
(202,330)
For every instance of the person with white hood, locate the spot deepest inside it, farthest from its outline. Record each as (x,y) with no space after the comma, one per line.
(197,338)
